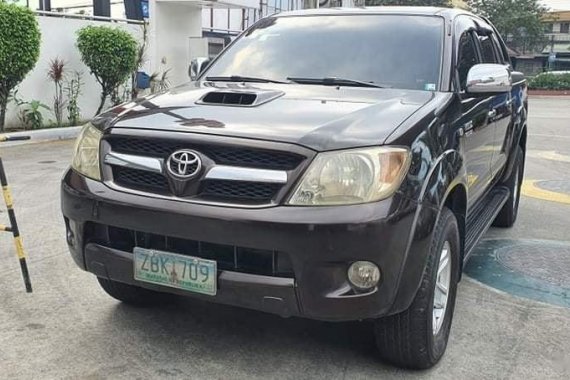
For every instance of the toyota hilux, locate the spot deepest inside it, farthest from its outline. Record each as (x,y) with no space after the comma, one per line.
(332,164)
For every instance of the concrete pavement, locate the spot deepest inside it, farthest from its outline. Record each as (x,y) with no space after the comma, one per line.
(68,328)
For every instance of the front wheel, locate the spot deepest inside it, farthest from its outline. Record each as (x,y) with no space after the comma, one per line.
(417,338)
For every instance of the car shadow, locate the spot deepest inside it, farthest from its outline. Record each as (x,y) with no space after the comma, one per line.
(208,327)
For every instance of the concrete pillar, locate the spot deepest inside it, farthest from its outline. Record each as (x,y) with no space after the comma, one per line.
(173,25)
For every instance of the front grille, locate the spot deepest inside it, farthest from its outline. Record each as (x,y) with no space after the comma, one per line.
(140,179)
(216,191)
(227,257)
(236,192)
(144,147)
(230,190)
(254,158)
(222,155)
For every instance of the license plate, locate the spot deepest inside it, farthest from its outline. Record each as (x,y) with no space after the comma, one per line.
(177,271)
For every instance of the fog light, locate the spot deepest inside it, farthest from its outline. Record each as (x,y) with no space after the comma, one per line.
(70,236)
(363,275)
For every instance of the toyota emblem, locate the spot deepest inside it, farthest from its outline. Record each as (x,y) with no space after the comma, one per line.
(184,164)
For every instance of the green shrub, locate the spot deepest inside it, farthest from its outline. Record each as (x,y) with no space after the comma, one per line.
(30,112)
(110,54)
(547,81)
(19,49)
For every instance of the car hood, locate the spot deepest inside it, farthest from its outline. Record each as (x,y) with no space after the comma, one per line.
(317,117)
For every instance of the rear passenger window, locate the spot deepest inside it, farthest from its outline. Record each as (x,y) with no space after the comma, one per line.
(498,48)
(467,57)
(487,50)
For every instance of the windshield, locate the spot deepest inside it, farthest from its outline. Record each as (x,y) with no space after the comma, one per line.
(389,50)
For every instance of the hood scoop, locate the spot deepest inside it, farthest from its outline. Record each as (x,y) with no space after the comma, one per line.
(239,98)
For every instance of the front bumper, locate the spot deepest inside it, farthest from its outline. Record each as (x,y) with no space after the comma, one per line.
(320,242)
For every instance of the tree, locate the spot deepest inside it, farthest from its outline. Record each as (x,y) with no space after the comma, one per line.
(19,49)
(520,22)
(431,3)
(110,54)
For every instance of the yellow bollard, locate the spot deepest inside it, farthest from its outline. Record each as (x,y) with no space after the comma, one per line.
(13,227)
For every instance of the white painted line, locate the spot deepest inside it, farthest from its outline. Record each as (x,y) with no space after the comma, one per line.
(549,136)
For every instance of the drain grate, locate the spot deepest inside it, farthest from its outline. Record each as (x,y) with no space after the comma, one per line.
(540,261)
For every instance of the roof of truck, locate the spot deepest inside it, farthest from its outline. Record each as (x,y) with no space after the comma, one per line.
(405,10)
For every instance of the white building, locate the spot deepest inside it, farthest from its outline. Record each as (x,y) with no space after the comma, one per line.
(184,29)
(178,31)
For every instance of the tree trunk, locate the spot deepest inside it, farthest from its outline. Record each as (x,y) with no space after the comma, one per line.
(134,89)
(3,104)
(102,104)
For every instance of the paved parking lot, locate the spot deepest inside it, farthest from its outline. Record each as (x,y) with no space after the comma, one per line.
(512,321)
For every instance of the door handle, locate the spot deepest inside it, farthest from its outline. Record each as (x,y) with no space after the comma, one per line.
(492,114)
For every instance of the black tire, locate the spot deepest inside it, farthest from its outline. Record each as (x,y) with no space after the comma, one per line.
(407,339)
(129,294)
(508,214)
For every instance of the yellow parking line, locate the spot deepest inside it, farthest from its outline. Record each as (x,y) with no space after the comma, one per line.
(530,189)
(548,155)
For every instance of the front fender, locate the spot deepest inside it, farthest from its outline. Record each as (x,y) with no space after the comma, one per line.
(447,172)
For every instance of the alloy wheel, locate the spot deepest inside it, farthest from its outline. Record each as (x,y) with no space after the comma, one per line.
(441,293)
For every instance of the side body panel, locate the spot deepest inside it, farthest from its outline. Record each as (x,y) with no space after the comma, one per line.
(453,143)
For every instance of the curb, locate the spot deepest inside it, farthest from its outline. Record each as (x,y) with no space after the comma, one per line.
(43,135)
(549,92)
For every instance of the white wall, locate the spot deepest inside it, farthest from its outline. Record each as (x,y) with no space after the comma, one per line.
(171,24)
(58,40)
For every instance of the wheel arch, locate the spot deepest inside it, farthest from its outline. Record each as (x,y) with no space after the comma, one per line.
(445,184)
(456,201)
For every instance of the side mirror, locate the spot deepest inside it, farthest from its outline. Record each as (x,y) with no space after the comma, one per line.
(489,78)
(197,66)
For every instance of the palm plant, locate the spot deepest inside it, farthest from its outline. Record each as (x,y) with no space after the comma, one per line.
(56,75)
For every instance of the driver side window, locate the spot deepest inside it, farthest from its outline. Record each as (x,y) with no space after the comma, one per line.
(467,58)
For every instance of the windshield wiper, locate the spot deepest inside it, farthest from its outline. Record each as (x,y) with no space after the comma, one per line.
(334,81)
(239,78)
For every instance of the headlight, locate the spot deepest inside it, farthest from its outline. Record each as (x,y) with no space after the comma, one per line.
(86,153)
(352,176)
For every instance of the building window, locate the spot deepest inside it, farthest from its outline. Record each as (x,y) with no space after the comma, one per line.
(565,27)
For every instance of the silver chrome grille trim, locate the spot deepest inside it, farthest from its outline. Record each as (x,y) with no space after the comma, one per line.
(235,173)
(134,162)
(218,172)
